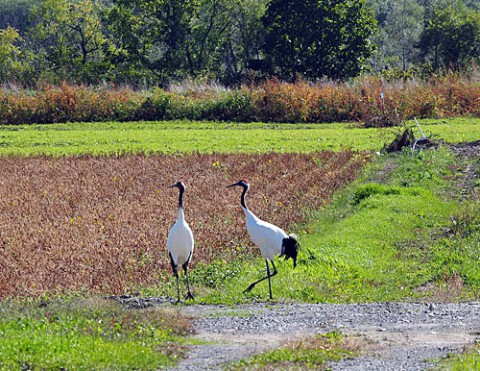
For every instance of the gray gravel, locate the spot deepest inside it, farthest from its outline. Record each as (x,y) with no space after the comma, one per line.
(400,336)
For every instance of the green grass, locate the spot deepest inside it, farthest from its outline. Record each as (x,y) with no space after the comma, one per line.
(112,138)
(402,239)
(465,361)
(311,353)
(452,130)
(182,137)
(85,334)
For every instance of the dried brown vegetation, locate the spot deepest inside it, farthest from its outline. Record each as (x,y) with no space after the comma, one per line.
(100,224)
(373,100)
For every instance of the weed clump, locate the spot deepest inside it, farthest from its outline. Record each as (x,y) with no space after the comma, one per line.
(370,189)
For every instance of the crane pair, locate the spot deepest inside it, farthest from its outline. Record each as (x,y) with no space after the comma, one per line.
(270,239)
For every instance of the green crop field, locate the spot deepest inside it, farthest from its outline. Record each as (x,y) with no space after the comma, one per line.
(182,137)
(187,137)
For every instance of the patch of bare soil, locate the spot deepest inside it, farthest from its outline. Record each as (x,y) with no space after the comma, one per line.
(468,175)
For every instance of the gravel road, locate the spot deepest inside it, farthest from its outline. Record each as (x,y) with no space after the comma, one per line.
(400,336)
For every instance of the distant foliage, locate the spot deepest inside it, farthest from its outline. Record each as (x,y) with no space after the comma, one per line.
(372,101)
(451,38)
(159,42)
(318,38)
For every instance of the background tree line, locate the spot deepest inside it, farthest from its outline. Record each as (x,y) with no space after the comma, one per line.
(156,42)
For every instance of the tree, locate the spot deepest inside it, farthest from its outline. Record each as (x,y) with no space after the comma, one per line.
(13,62)
(318,38)
(226,35)
(69,39)
(451,38)
(188,38)
(16,14)
(153,35)
(242,45)
(400,23)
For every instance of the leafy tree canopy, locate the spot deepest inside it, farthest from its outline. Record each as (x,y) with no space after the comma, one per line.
(452,37)
(318,38)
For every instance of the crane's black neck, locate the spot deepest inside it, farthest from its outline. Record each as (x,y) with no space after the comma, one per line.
(180,197)
(242,198)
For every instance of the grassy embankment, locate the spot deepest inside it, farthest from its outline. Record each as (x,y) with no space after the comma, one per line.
(397,233)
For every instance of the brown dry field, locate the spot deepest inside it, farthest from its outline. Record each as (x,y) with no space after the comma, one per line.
(99,224)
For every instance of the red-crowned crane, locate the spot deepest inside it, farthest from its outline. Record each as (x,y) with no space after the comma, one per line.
(270,239)
(180,243)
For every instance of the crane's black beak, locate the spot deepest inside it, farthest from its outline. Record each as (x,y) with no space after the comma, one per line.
(234,184)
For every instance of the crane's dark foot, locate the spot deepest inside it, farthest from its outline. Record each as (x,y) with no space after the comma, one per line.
(189,296)
(249,288)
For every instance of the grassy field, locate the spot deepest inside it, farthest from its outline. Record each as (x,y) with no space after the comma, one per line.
(73,226)
(188,137)
(182,137)
(311,353)
(89,334)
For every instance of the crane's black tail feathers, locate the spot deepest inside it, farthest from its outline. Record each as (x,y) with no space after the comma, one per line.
(290,247)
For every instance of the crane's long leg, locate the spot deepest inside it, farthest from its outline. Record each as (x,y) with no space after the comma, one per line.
(189,293)
(268,275)
(175,273)
(249,288)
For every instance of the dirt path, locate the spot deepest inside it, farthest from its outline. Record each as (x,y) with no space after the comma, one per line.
(398,336)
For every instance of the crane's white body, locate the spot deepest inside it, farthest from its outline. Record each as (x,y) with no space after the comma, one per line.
(270,239)
(266,236)
(180,241)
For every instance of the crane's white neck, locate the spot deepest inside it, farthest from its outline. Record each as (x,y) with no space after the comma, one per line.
(248,213)
(181,215)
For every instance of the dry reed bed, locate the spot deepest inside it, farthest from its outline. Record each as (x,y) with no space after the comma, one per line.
(100,224)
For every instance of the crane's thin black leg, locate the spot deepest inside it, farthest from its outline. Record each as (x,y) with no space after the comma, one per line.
(175,273)
(189,293)
(249,288)
(268,274)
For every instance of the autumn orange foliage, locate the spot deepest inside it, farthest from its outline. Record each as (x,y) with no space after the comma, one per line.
(372,100)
